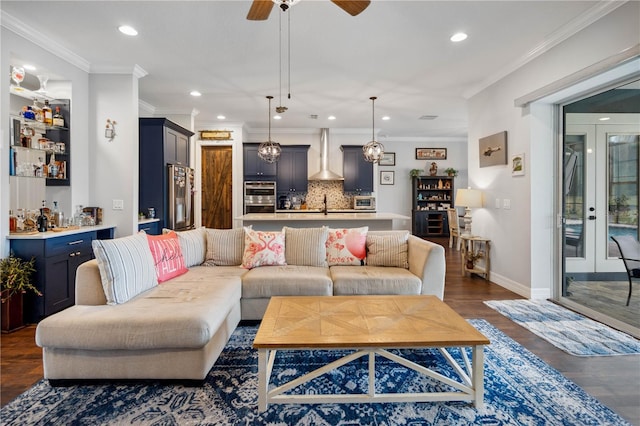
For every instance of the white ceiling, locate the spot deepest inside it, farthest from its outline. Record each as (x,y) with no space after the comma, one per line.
(398,51)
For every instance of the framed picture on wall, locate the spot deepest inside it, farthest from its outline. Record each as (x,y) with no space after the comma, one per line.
(387,177)
(388,159)
(431,153)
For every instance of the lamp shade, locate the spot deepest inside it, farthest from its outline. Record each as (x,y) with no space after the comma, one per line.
(469,198)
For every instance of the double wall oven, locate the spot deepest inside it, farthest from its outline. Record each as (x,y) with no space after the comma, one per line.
(259,197)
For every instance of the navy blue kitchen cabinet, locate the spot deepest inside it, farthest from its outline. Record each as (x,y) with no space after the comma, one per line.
(357,172)
(161,142)
(150,228)
(292,174)
(254,167)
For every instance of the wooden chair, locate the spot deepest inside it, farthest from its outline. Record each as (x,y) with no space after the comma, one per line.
(630,254)
(454,227)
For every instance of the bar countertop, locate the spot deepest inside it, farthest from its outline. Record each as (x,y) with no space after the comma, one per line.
(55,234)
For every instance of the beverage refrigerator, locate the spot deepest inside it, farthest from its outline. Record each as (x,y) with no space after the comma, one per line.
(180,197)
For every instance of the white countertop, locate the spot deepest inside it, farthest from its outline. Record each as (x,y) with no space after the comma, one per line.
(331,216)
(52,234)
(143,221)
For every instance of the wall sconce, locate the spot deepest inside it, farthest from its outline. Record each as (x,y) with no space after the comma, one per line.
(110,129)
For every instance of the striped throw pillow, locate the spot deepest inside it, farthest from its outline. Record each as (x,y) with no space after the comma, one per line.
(224,247)
(306,246)
(193,244)
(388,250)
(126,267)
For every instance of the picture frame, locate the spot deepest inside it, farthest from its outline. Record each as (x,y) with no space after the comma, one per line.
(517,165)
(431,153)
(387,177)
(493,150)
(215,135)
(388,159)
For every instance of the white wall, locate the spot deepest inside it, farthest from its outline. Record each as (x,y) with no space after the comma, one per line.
(522,251)
(114,164)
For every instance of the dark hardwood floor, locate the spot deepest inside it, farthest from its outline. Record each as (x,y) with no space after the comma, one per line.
(614,381)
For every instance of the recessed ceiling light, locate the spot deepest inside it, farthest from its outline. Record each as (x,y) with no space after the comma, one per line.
(331,117)
(458,37)
(386,117)
(195,93)
(277,117)
(29,67)
(128,30)
(605,118)
(221,117)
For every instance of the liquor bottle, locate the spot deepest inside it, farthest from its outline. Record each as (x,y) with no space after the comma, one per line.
(53,167)
(58,119)
(43,221)
(47,114)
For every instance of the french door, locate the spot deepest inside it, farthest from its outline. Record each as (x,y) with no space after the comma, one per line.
(601,190)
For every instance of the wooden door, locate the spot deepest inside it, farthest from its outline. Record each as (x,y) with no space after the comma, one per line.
(216,187)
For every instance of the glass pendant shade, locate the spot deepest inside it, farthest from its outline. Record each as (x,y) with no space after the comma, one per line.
(373,150)
(269,151)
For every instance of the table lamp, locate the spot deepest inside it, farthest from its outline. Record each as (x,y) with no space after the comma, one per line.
(468,198)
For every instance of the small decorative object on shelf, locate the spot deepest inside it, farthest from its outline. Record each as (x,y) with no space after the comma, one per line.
(450,171)
(433,170)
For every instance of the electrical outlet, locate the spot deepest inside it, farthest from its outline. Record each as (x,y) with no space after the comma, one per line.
(118,204)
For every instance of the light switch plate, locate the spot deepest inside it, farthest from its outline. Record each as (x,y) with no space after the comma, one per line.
(498,203)
(118,204)
(506,203)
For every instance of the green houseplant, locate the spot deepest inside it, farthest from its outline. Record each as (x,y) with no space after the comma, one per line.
(15,280)
(451,171)
(415,172)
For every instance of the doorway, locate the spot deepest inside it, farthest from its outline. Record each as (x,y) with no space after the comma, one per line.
(601,167)
(217,177)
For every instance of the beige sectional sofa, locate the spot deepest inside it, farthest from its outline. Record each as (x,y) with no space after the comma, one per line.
(176,330)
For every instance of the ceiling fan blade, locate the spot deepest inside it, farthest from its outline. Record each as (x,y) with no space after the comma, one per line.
(260,10)
(352,7)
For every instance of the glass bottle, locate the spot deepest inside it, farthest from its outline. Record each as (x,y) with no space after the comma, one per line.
(58,118)
(43,222)
(47,114)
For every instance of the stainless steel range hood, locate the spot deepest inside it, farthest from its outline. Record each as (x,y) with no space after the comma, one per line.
(325,173)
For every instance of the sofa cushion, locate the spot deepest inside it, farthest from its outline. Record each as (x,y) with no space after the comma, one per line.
(178,314)
(224,247)
(358,280)
(193,244)
(263,248)
(126,267)
(305,246)
(388,250)
(346,246)
(167,256)
(289,280)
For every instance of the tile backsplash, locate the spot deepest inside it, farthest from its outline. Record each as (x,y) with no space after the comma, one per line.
(336,198)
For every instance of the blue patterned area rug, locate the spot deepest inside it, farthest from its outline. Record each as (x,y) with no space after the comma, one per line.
(520,389)
(565,329)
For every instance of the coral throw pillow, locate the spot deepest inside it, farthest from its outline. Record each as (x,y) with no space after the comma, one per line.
(167,256)
(347,246)
(263,248)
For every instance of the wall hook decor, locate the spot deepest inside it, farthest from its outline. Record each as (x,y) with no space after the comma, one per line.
(110,129)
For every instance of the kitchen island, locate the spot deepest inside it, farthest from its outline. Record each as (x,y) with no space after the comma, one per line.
(333,219)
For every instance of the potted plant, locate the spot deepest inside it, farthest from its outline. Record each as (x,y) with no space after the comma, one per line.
(15,280)
(415,172)
(450,171)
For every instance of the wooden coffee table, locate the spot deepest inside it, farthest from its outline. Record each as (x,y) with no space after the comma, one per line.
(370,325)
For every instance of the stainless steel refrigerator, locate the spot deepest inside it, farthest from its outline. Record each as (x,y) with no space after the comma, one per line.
(181,187)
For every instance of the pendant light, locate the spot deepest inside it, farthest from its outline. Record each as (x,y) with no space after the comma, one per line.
(373,150)
(269,151)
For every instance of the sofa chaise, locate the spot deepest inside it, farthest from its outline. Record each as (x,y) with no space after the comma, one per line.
(126,325)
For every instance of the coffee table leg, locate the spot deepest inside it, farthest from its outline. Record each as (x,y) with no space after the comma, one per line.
(478,375)
(263,383)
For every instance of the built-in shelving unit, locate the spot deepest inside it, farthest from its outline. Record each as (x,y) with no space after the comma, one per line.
(432,196)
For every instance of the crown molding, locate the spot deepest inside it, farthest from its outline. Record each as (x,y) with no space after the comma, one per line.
(146,107)
(29,33)
(576,25)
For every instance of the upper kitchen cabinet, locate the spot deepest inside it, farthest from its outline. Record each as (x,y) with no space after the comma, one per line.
(254,167)
(292,174)
(162,142)
(357,172)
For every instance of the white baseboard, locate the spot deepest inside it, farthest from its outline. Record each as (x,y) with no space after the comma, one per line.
(519,288)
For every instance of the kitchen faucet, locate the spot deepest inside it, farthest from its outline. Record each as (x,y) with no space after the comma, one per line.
(324,204)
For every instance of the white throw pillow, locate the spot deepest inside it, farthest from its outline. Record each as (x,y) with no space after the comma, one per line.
(346,246)
(224,247)
(263,248)
(126,267)
(193,244)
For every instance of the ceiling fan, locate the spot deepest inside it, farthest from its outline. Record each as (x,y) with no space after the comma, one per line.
(260,9)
